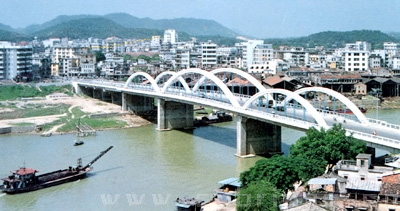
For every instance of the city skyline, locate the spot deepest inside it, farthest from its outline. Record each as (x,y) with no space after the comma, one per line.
(257,18)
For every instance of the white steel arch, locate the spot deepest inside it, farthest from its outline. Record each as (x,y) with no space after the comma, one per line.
(356,111)
(210,76)
(147,76)
(182,80)
(316,115)
(245,75)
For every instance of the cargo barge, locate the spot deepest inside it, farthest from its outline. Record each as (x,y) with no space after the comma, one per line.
(25,179)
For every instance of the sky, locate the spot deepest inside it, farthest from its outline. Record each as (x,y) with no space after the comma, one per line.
(257,18)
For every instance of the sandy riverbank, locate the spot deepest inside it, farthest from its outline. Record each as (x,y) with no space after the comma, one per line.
(87,105)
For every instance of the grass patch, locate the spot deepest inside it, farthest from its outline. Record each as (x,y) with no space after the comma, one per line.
(14,92)
(77,112)
(103,123)
(95,123)
(35,111)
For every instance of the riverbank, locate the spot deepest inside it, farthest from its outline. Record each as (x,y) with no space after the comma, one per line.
(96,109)
(102,114)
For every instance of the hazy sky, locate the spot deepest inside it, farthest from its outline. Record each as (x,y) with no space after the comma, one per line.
(259,18)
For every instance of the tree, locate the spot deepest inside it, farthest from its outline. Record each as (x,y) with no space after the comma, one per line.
(127,57)
(280,171)
(100,56)
(327,145)
(258,195)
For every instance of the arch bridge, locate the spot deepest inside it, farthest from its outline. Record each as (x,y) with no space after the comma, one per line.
(260,112)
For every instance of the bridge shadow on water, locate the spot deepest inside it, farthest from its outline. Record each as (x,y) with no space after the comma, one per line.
(225,134)
(220,133)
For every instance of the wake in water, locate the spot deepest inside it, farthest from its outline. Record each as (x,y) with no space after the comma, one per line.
(77,181)
(1,195)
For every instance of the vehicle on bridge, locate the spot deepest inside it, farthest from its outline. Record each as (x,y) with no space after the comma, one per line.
(215,117)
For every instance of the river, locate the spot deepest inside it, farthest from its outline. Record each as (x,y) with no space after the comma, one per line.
(146,170)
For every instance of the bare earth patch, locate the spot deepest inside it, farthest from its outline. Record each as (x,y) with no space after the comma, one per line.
(87,105)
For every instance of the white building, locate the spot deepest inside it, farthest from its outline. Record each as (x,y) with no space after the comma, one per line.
(360,169)
(375,61)
(295,56)
(356,60)
(392,50)
(246,48)
(262,53)
(182,59)
(155,43)
(61,58)
(170,36)
(15,61)
(271,67)
(208,54)
(396,63)
(358,46)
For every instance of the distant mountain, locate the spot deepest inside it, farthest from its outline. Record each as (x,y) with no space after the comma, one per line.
(332,39)
(394,34)
(93,27)
(6,35)
(121,25)
(58,20)
(192,26)
(6,28)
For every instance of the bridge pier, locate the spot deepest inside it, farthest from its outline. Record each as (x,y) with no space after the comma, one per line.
(256,137)
(138,104)
(174,115)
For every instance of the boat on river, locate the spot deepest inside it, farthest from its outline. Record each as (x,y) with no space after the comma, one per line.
(25,179)
(78,142)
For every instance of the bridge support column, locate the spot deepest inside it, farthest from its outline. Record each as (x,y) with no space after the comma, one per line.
(138,104)
(174,115)
(256,137)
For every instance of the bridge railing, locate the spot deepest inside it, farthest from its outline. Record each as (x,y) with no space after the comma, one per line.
(384,124)
(336,115)
(283,117)
(377,139)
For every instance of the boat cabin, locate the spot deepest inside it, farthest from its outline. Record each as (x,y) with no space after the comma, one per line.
(20,178)
(227,192)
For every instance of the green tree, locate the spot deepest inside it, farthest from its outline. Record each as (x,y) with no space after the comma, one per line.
(258,195)
(100,56)
(155,57)
(280,171)
(327,145)
(128,57)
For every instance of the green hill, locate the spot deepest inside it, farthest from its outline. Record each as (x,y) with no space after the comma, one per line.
(192,26)
(331,39)
(93,27)
(56,21)
(6,35)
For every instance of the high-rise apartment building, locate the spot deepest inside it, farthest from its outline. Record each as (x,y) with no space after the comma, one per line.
(15,61)
(208,54)
(170,36)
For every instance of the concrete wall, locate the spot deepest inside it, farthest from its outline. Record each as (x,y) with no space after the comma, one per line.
(5,130)
(256,137)
(174,115)
(137,104)
(17,129)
